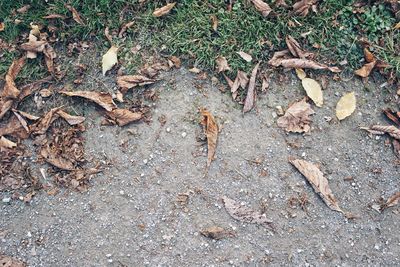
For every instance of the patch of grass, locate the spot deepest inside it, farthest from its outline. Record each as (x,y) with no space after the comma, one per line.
(333,33)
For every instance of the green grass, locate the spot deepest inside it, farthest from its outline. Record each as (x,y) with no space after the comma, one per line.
(187,30)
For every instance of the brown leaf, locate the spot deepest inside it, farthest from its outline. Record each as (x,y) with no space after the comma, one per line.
(49,56)
(302,7)
(10,91)
(103,99)
(54,16)
(222,64)
(5,143)
(22,121)
(365,70)
(56,160)
(251,93)
(176,61)
(6,261)
(44,123)
(245,214)
(317,180)
(125,27)
(241,81)
(369,57)
(33,46)
(278,56)
(23,9)
(75,15)
(392,201)
(306,64)
(214,22)
(393,116)
(391,130)
(211,131)
(14,128)
(295,48)
(2,26)
(130,81)
(71,119)
(28,89)
(26,115)
(108,35)
(163,10)
(297,117)
(262,7)
(124,116)
(216,232)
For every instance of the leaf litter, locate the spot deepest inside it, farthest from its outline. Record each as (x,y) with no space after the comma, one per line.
(297,117)
(211,131)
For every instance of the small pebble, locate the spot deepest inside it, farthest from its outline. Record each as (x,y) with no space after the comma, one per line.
(122,192)
(168,129)
(184,134)
(6,200)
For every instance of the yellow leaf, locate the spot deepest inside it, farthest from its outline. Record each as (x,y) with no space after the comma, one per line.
(163,10)
(346,106)
(313,90)
(397,26)
(301,74)
(110,59)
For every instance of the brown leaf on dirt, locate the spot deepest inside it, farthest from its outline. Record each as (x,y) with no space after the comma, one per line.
(391,201)
(54,159)
(14,128)
(302,7)
(262,7)
(49,56)
(75,15)
(5,143)
(211,131)
(125,27)
(241,81)
(163,10)
(10,91)
(222,64)
(297,117)
(152,70)
(251,93)
(365,70)
(317,180)
(295,48)
(129,81)
(6,261)
(124,116)
(103,99)
(44,123)
(28,89)
(22,121)
(26,115)
(278,56)
(71,119)
(391,130)
(54,16)
(176,62)
(245,214)
(216,232)
(393,116)
(214,22)
(245,56)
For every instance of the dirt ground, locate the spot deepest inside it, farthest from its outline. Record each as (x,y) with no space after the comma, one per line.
(131,215)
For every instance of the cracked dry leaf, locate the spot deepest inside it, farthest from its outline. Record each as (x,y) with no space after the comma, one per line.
(103,99)
(245,214)
(109,59)
(297,117)
(130,81)
(251,93)
(124,116)
(313,90)
(391,201)
(245,56)
(346,106)
(44,123)
(70,119)
(262,7)
(317,180)
(216,232)
(163,10)
(75,15)
(5,143)
(211,131)
(222,64)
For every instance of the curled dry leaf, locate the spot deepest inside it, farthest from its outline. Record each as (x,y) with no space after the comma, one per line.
(163,10)
(44,123)
(379,129)
(108,35)
(26,115)
(313,90)
(222,64)
(393,116)
(54,16)
(245,214)
(391,201)
(317,180)
(251,93)
(109,59)
(346,106)
(5,143)
(22,121)
(216,232)
(103,99)
(295,48)
(33,46)
(211,131)
(245,56)
(49,56)
(14,128)
(365,70)
(75,15)
(71,119)
(297,117)
(56,160)
(129,81)
(28,89)
(262,7)
(124,116)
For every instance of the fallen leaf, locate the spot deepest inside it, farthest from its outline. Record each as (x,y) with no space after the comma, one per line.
(130,81)
(313,90)
(302,7)
(245,214)
(346,106)
(251,93)
(22,121)
(45,93)
(297,117)
(28,89)
(295,48)
(264,84)
(5,143)
(124,116)
(163,10)
(380,129)
(369,57)
(33,46)
(71,119)
(306,64)
(211,131)
(262,7)
(109,59)
(103,99)
(55,16)
(317,180)
(222,64)
(6,261)
(49,56)
(301,74)
(366,69)
(393,116)
(242,78)
(391,201)
(216,232)
(56,160)
(2,26)
(245,56)
(26,115)
(23,9)
(108,35)
(195,70)
(397,26)
(214,22)
(125,27)
(44,123)
(75,15)
(14,128)
(176,61)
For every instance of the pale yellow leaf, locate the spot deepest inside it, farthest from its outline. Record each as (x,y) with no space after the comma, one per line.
(245,56)
(301,74)
(313,90)
(346,106)
(110,59)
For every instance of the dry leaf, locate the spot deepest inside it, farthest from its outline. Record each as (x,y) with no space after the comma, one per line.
(302,7)
(130,81)
(295,48)
(265,84)
(245,214)
(26,115)
(14,128)
(297,117)
(2,26)
(22,121)
(216,232)
(28,89)
(124,28)
(103,99)
(214,22)
(262,7)
(56,160)
(49,56)
(301,74)
(245,56)
(163,10)
(71,119)
(5,143)
(392,201)
(306,64)
(109,59)
(365,70)
(124,116)
(44,123)
(251,93)
(313,90)
(54,16)
(6,261)
(107,35)
(195,70)
(346,106)
(222,64)
(75,15)
(23,9)
(393,116)
(176,61)
(317,180)
(369,57)
(211,131)
(379,129)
